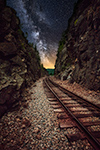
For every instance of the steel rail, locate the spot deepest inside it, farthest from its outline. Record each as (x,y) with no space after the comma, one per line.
(73,94)
(91,139)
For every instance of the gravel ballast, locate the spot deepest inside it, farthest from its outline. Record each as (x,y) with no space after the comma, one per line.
(34,126)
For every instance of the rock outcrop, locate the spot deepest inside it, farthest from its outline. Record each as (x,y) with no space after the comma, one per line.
(19,61)
(81,49)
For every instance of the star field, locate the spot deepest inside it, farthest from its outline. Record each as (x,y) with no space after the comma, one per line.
(44,21)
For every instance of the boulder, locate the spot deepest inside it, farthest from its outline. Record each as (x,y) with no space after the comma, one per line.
(3,109)
(8,48)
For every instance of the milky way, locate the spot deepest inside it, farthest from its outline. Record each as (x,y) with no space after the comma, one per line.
(44,21)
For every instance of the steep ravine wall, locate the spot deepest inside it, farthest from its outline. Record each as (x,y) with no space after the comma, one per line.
(19,62)
(81,51)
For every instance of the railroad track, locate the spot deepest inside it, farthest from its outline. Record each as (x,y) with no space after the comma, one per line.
(74,111)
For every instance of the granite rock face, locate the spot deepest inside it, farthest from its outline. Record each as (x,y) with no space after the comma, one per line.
(19,62)
(82,46)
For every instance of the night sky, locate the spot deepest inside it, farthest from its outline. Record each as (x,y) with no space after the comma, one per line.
(44,21)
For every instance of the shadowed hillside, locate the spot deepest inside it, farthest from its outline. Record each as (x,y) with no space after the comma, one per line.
(19,61)
(78,57)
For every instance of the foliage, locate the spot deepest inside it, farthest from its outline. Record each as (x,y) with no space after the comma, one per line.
(74,14)
(21,25)
(42,67)
(61,45)
(64,35)
(50,71)
(23,46)
(35,48)
(37,53)
(62,42)
(20,32)
(29,54)
(26,35)
(75,21)
(30,44)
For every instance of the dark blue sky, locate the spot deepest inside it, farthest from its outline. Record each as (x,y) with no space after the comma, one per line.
(44,21)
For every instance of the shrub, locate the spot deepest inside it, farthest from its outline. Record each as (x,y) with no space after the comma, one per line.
(62,42)
(29,54)
(75,21)
(30,44)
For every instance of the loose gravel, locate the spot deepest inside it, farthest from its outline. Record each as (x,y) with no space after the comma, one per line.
(90,95)
(34,126)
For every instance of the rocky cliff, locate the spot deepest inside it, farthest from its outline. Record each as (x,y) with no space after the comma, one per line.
(19,61)
(78,55)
